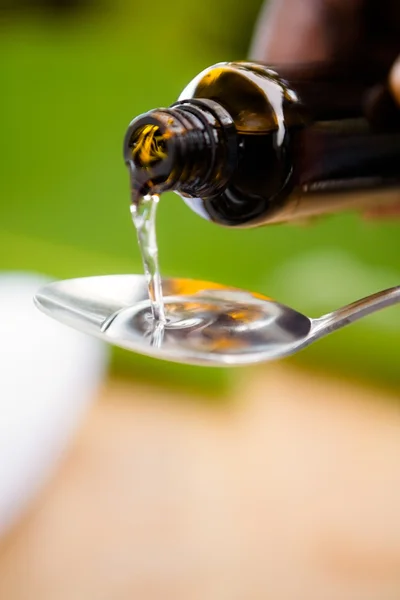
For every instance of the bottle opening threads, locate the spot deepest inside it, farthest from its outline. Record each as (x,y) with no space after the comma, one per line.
(190,147)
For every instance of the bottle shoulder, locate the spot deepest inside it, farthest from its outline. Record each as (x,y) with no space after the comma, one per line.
(258,100)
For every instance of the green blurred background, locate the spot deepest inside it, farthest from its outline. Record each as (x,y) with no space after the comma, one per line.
(72,77)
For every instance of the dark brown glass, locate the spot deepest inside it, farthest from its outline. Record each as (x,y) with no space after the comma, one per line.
(248,145)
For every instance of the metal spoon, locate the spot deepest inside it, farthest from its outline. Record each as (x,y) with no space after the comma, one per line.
(208,323)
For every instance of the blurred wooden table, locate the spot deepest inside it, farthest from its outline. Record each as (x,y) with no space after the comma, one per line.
(288,491)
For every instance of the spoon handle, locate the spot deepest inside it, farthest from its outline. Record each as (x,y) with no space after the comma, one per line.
(354,311)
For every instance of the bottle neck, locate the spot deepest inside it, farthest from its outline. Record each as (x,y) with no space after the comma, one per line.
(190,147)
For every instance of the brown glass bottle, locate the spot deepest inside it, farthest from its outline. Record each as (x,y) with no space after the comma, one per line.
(248,145)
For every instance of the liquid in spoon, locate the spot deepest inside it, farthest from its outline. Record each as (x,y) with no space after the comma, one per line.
(203,319)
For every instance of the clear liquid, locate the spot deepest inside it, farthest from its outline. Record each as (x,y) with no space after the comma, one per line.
(195,319)
(208,325)
(203,320)
(143,211)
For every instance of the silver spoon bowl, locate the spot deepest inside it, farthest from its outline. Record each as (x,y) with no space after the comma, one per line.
(207,323)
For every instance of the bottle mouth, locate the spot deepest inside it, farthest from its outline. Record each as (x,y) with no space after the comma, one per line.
(150,150)
(179,148)
(148,146)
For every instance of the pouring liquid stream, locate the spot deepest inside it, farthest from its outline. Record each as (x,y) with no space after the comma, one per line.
(143,211)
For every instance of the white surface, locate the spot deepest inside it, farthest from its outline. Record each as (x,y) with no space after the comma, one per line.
(48,376)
